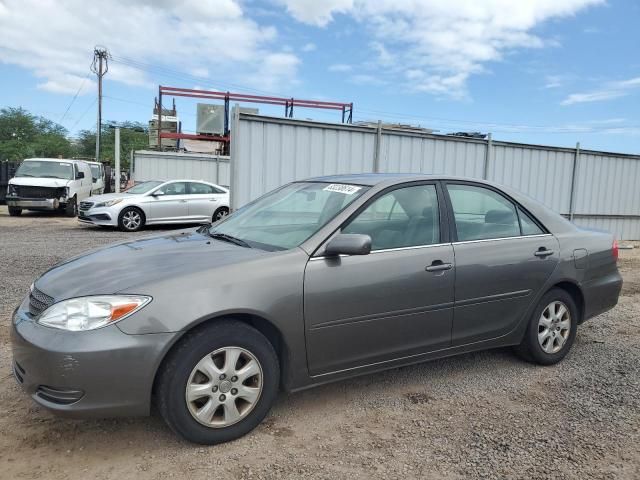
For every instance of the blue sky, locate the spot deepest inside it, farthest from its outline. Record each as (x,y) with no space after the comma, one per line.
(547,72)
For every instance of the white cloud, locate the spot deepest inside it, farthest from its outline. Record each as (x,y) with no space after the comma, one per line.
(309,47)
(442,43)
(54,39)
(608,91)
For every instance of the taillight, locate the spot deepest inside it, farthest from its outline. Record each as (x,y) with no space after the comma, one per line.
(614,249)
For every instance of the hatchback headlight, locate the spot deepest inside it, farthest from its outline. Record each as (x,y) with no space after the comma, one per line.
(88,313)
(108,203)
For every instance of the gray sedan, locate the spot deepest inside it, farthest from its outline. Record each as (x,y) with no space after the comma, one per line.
(317,281)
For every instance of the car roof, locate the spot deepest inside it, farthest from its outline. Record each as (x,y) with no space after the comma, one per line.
(373,179)
(186,180)
(68,160)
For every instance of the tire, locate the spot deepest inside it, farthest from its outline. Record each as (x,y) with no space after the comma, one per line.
(15,211)
(549,321)
(131,219)
(71,210)
(219,214)
(182,368)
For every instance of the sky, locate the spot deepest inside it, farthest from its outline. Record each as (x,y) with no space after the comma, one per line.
(552,72)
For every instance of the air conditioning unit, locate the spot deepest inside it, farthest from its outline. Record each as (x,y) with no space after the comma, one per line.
(210,119)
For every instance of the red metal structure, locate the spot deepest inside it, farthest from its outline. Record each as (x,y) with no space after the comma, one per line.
(227,97)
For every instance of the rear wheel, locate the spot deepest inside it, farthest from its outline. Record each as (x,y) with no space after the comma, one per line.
(15,211)
(220,213)
(131,219)
(552,329)
(218,383)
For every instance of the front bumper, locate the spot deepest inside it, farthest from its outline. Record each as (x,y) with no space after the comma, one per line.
(34,203)
(97,373)
(98,216)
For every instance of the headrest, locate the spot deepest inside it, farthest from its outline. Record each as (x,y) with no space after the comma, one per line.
(503,217)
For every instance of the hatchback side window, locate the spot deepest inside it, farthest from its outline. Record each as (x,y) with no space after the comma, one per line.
(200,189)
(175,188)
(529,226)
(481,213)
(405,217)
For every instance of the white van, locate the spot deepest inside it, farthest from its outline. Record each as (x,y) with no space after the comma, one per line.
(49,184)
(97,178)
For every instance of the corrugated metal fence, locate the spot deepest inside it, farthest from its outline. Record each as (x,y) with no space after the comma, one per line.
(595,189)
(149,165)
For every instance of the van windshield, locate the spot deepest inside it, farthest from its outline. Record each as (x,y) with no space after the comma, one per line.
(35,168)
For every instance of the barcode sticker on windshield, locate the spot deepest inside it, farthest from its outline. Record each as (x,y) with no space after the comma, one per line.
(340,188)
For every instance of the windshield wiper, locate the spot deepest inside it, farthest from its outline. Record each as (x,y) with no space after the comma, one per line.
(229,238)
(24,175)
(52,176)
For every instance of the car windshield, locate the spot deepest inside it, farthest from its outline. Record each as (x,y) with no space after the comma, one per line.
(34,168)
(285,218)
(143,187)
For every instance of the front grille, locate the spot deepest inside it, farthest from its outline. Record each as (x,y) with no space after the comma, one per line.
(86,205)
(59,396)
(39,302)
(25,191)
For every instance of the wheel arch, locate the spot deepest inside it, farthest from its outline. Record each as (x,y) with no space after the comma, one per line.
(576,293)
(264,326)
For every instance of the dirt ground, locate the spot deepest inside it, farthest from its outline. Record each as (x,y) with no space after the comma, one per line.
(483,415)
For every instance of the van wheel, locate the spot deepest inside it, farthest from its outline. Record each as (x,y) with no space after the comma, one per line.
(220,213)
(131,219)
(552,329)
(15,211)
(218,383)
(71,210)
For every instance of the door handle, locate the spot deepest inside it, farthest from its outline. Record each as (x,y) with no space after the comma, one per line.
(543,252)
(438,266)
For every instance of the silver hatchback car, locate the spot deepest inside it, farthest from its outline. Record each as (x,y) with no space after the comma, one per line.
(317,281)
(154,202)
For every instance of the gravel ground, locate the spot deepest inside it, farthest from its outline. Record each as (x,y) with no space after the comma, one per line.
(484,415)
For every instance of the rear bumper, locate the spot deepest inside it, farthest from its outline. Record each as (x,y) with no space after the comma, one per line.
(98,373)
(601,294)
(34,203)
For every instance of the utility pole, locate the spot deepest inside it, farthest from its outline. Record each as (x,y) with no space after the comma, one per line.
(117,159)
(100,67)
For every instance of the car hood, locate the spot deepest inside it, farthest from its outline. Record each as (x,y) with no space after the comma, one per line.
(135,263)
(110,196)
(39,182)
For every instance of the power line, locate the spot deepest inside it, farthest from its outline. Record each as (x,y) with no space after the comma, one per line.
(84,80)
(84,113)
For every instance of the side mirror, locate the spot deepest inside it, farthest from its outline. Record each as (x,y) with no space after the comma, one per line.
(79,175)
(158,193)
(349,244)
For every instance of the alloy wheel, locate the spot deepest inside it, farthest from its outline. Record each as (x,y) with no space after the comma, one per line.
(131,220)
(554,327)
(220,214)
(224,387)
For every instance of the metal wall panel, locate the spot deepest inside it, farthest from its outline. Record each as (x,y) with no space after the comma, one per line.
(149,165)
(544,174)
(607,185)
(412,153)
(268,152)
(271,153)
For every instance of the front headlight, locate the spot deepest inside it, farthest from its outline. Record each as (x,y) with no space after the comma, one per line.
(108,203)
(12,190)
(88,313)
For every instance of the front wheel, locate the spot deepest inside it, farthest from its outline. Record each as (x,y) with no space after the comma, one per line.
(15,211)
(71,210)
(218,383)
(131,219)
(552,329)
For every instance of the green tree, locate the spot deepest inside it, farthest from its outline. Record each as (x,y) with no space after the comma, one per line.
(23,135)
(133,136)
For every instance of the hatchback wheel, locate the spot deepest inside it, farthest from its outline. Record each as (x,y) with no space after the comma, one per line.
(218,383)
(220,213)
(552,329)
(131,219)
